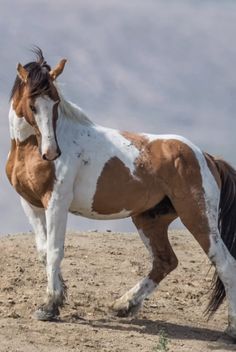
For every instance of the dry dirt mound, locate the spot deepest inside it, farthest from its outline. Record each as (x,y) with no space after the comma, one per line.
(98,268)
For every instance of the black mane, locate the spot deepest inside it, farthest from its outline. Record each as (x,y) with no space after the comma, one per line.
(38,78)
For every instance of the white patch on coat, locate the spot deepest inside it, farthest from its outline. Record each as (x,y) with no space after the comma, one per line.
(86,150)
(20,129)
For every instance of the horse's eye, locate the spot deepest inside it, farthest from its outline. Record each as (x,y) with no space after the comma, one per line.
(33,109)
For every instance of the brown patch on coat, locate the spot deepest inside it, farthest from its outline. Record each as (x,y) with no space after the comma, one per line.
(31,176)
(163,168)
(182,173)
(117,189)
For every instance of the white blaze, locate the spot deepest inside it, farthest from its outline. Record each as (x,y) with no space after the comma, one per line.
(44,120)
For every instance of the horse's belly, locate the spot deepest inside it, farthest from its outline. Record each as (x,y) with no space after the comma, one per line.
(77,209)
(117,193)
(84,204)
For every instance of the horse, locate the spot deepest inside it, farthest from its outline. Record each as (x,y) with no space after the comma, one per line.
(60,161)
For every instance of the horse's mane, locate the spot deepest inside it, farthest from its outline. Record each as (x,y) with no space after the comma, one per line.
(38,78)
(71,111)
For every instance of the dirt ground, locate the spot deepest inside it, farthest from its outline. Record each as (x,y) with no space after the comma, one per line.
(98,268)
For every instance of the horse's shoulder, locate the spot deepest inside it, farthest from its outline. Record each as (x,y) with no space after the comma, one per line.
(31,176)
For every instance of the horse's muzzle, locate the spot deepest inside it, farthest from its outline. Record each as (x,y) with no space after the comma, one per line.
(51,156)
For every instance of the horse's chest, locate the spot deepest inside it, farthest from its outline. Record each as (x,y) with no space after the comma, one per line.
(31,176)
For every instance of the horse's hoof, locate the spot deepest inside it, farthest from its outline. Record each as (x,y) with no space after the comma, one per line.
(126,309)
(44,314)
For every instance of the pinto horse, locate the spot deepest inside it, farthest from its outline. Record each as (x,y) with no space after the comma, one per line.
(60,162)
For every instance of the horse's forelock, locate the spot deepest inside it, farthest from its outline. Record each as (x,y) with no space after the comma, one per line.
(38,54)
(38,82)
(40,57)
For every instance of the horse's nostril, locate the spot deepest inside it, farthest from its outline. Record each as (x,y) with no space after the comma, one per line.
(58,151)
(47,157)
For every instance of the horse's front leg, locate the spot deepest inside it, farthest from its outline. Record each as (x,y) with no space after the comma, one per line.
(56,218)
(37,220)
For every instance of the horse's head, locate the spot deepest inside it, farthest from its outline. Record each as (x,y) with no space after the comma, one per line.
(35,98)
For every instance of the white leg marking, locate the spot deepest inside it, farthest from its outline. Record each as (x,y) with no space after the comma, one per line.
(131,301)
(37,220)
(135,296)
(56,215)
(218,252)
(56,227)
(226,269)
(140,291)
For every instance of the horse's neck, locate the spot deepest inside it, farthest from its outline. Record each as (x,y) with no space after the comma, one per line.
(71,111)
(20,129)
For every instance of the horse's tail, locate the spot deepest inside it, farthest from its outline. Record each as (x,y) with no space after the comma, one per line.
(226,226)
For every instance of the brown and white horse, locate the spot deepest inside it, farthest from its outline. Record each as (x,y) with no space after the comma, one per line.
(62,162)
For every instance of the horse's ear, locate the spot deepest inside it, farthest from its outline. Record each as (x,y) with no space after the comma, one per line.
(22,73)
(58,69)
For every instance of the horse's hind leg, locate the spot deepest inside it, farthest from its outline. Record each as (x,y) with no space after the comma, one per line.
(199,213)
(153,231)
(37,220)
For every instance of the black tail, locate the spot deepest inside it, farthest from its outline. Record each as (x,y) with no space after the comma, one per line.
(226,225)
